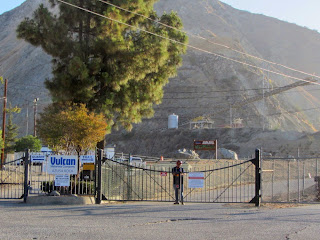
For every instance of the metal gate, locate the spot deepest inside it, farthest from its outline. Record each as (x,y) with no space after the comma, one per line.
(12,179)
(225,181)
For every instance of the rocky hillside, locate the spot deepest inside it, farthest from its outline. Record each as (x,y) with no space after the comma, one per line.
(25,66)
(243,141)
(206,84)
(206,76)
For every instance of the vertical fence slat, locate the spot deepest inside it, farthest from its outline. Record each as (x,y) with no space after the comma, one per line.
(299,177)
(288,199)
(26,176)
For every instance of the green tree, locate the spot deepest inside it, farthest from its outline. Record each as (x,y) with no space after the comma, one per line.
(71,127)
(28,142)
(113,68)
(11,131)
(1,141)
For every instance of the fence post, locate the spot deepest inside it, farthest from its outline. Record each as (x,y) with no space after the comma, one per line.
(256,162)
(129,183)
(288,184)
(99,177)
(26,176)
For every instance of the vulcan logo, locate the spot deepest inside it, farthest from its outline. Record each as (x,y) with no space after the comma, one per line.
(62,161)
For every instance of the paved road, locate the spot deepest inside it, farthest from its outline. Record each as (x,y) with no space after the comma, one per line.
(147,220)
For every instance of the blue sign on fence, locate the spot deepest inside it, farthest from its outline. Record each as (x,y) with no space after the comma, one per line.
(62,164)
(39,158)
(87,159)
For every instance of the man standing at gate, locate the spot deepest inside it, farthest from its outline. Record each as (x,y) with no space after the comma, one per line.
(177,173)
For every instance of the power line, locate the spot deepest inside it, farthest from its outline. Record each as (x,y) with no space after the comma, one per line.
(21,87)
(17,87)
(198,106)
(291,112)
(215,43)
(218,91)
(232,90)
(204,92)
(250,116)
(187,45)
(244,90)
(221,97)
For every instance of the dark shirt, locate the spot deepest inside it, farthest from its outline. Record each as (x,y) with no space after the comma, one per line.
(176,179)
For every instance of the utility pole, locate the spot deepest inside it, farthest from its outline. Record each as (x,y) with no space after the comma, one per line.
(4,120)
(263,102)
(27,130)
(230,116)
(264,115)
(35,116)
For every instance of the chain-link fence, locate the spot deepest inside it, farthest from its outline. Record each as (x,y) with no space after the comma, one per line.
(290,180)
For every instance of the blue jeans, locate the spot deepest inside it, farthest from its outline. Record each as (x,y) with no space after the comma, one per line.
(178,190)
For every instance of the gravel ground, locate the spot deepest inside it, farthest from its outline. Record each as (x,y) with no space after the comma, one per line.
(148,220)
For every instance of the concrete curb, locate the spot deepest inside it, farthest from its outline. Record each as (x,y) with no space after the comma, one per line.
(61,200)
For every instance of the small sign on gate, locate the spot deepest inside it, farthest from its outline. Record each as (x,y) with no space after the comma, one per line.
(163,174)
(196,180)
(62,180)
(88,166)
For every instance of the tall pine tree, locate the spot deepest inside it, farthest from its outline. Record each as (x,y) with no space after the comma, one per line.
(11,131)
(112,68)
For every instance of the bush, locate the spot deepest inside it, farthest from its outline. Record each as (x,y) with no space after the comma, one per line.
(86,187)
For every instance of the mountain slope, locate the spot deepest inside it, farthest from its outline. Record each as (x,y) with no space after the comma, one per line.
(205,83)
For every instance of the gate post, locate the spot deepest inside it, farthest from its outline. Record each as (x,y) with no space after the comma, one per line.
(256,162)
(129,184)
(26,176)
(99,178)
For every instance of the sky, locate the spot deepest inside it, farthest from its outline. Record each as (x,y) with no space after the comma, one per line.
(302,12)
(7,5)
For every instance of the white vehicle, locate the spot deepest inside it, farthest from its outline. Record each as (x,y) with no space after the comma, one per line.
(46,150)
(136,159)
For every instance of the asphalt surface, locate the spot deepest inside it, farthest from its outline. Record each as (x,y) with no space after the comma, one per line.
(149,220)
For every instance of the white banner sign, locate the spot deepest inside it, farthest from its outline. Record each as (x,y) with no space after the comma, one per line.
(62,164)
(109,152)
(196,180)
(62,180)
(87,159)
(38,157)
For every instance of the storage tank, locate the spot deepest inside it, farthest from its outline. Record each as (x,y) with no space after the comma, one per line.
(173,121)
